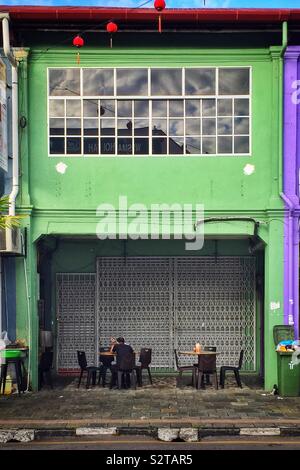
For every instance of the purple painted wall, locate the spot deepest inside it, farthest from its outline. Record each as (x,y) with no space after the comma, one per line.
(291,166)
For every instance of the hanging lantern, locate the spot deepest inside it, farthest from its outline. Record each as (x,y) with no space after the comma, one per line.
(159,5)
(111,28)
(78,42)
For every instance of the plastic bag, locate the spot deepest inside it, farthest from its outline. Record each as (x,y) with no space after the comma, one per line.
(5,337)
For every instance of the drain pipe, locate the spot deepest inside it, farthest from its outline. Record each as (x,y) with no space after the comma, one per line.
(291,208)
(15,115)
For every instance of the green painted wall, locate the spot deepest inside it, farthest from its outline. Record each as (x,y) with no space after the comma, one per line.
(66,204)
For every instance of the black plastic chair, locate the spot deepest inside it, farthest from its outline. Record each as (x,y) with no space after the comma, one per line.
(124,372)
(235,370)
(210,349)
(145,360)
(45,365)
(182,369)
(91,370)
(206,366)
(106,362)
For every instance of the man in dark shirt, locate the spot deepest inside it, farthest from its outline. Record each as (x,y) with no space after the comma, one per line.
(122,350)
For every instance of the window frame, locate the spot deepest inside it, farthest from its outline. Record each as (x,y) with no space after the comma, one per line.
(150,98)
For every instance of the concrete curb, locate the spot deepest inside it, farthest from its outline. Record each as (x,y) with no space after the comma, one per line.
(165,433)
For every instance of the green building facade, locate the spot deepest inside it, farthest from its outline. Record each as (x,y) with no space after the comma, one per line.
(157,293)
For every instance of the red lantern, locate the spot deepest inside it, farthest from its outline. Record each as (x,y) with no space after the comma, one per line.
(111,28)
(78,42)
(159,5)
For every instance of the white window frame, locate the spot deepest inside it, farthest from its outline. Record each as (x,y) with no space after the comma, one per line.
(150,98)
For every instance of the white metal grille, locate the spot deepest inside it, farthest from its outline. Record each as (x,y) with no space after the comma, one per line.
(75,318)
(135,301)
(163,302)
(215,305)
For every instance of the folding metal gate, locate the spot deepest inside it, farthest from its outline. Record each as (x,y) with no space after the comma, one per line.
(164,302)
(76,319)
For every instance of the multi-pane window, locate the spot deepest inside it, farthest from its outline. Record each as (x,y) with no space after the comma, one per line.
(149,111)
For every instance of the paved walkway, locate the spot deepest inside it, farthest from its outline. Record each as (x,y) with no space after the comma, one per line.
(163,403)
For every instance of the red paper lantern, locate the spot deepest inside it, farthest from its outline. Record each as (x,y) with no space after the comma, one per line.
(111,27)
(78,41)
(159,5)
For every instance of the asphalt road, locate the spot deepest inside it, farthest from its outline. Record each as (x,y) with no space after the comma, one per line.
(146,443)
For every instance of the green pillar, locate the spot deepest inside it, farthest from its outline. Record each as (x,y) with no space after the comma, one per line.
(273,296)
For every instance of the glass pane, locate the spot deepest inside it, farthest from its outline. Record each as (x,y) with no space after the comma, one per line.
(90,126)
(159,146)
(209,145)
(241,107)
(73,126)
(64,82)
(159,108)
(176,146)
(57,145)
(90,108)
(57,126)
(175,126)
(224,144)
(141,127)
(98,82)
(56,108)
(159,126)
(241,126)
(208,108)
(107,108)
(73,145)
(200,81)
(91,146)
(234,81)
(193,145)
(192,108)
(192,126)
(107,146)
(225,107)
(124,127)
(73,108)
(224,126)
(241,145)
(176,108)
(132,82)
(141,146)
(124,146)
(166,82)
(141,108)
(107,126)
(124,108)
(208,126)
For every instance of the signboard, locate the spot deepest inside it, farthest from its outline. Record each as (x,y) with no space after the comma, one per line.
(3,118)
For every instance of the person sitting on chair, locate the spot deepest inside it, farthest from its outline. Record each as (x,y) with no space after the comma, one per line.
(121,349)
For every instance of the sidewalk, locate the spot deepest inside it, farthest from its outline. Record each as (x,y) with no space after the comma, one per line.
(230,411)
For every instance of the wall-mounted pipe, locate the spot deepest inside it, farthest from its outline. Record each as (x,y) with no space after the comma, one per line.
(15,116)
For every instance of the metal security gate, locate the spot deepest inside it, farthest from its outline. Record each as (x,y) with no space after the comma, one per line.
(135,300)
(76,319)
(215,305)
(164,302)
